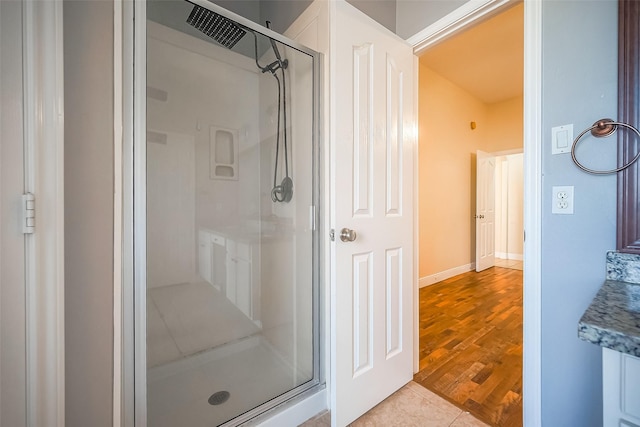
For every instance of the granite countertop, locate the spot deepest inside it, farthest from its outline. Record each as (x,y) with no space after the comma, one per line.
(613,318)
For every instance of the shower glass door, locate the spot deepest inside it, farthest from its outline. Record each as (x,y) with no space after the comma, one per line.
(231,192)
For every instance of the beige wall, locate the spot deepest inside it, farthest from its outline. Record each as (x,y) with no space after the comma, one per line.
(504,125)
(447,148)
(88,189)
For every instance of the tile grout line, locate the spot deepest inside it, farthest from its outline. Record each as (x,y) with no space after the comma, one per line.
(162,317)
(440,399)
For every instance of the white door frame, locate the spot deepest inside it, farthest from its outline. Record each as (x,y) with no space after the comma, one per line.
(129,303)
(459,20)
(44,177)
(507,153)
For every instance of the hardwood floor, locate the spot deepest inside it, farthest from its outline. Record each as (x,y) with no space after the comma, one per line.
(471,343)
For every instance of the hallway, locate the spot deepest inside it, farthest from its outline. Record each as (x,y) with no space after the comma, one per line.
(471,343)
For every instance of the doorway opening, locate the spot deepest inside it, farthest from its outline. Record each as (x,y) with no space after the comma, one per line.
(471,99)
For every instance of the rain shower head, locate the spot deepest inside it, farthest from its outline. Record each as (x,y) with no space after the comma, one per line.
(221,29)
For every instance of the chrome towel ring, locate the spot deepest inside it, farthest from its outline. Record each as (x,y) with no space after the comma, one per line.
(603,128)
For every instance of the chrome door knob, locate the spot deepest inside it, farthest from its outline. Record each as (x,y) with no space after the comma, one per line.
(347,235)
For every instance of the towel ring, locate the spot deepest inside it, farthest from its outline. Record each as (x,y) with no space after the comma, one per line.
(603,128)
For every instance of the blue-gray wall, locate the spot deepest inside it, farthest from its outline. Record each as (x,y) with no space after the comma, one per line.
(382,11)
(579,84)
(281,13)
(413,16)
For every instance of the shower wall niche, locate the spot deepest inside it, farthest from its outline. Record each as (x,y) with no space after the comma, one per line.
(223,149)
(231,288)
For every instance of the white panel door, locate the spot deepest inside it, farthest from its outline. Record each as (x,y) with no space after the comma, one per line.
(373,140)
(485,210)
(12,242)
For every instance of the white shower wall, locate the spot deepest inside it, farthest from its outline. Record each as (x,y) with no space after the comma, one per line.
(204,86)
(211,86)
(208,86)
(170,231)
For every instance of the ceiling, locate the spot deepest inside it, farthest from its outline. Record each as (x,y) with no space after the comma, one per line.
(486,60)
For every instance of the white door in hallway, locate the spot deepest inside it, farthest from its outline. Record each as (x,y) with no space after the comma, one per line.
(373,140)
(12,241)
(485,210)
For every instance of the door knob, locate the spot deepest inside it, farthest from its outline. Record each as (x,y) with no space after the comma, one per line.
(347,235)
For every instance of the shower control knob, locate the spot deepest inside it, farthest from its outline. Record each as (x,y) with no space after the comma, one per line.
(347,235)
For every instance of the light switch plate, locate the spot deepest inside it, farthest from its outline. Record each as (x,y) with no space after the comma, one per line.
(561,139)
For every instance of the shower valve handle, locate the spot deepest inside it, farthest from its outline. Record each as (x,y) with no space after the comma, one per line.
(347,235)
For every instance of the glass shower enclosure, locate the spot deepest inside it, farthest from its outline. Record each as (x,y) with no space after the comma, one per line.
(231,217)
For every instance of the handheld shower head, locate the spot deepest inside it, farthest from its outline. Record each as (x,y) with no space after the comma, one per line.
(221,29)
(279,62)
(273,44)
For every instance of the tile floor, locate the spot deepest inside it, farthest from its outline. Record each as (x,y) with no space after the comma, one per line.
(411,406)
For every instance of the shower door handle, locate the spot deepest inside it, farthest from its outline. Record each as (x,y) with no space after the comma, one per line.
(347,235)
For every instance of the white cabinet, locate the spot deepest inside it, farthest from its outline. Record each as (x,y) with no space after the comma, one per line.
(212,258)
(231,266)
(204,256)
(241,280)
(620,389)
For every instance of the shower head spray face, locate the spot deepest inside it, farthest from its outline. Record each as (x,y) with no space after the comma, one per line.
(221,29)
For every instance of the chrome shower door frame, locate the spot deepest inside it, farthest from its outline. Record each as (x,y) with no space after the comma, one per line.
(130,367)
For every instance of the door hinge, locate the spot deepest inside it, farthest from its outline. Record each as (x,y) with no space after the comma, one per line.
(28,213)
(312,218)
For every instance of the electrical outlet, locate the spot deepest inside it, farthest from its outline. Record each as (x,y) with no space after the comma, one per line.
(562,200)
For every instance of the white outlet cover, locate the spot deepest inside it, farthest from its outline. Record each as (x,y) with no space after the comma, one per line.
(562,200)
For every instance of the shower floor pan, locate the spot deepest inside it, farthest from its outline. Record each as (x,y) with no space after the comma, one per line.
(249,371)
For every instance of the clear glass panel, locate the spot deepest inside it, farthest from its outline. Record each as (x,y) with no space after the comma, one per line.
(230,289)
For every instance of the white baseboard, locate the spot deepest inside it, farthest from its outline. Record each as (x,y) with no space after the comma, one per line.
(509,256)
(443,275)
